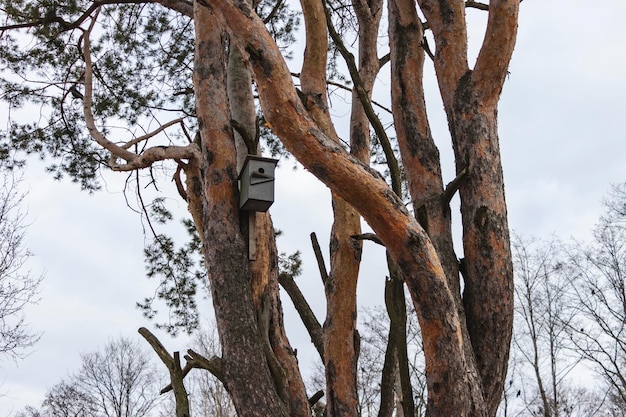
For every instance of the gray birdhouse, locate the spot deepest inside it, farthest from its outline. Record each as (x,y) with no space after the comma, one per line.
(257,183)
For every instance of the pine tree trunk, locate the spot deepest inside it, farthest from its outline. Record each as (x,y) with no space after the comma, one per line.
(246,373)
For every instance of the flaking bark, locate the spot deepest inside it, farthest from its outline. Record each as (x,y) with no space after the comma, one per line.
(245,369)
(454,388)
(405,239)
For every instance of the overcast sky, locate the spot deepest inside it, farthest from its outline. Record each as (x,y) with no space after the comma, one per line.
(563,141)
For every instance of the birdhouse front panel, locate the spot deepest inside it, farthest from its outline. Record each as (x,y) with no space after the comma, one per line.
(257,183)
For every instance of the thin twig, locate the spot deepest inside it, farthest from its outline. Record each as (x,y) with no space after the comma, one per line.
(477,5)
(379,129)
(368,236)
(453,187)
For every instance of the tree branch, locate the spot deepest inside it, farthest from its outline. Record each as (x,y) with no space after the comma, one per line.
(275,10)
(476,5)
(346,88)
(158,347)
(384,59)
(213,365)
(176,373)
(315,398)
(134,161)
(195,360)
(368,236)
(427,49)
(181,6)
(319,257)
(248,139)
(379,129)
(149,135)
(453,187)
(179,183)
(304,310)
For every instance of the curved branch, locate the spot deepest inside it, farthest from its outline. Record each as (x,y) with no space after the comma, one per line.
(149,135)
(304,310)
(366,190)
(181,6)
(476,5)
(453,187)
(368,236)
(379,129)
(158,153)
(213,365)
(134,161)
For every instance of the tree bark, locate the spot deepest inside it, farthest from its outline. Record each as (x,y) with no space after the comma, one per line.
(176,372)
(246,373)
(408,244)
(339,331)
(241,100)
(470,105)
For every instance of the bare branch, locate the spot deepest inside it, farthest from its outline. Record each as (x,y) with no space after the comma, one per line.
(427,49)
(368,236)
(195,360)
(158,347)
(179,183)
(248,139)
(453,187)
(159,153)
(343,87)
(476,5)
(384,59)
(149,135)
(346,88)
(319,257)
(316,397)
(392,161)
(275,10)
(134,161)
(176,373)
(304,310)
(213,365)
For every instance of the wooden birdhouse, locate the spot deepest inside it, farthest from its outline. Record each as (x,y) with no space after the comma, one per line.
(256,190)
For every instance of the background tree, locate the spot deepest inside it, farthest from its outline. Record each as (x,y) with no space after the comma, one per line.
(18,288)
(66,399)
(117,381)
(540,383)
(207,393)
(104,71)
(372,360)
(569,309)
(599,285)
(120,380)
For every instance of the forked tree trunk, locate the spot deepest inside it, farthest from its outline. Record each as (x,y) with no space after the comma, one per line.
(260,369)
(247,375)
(465,344)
